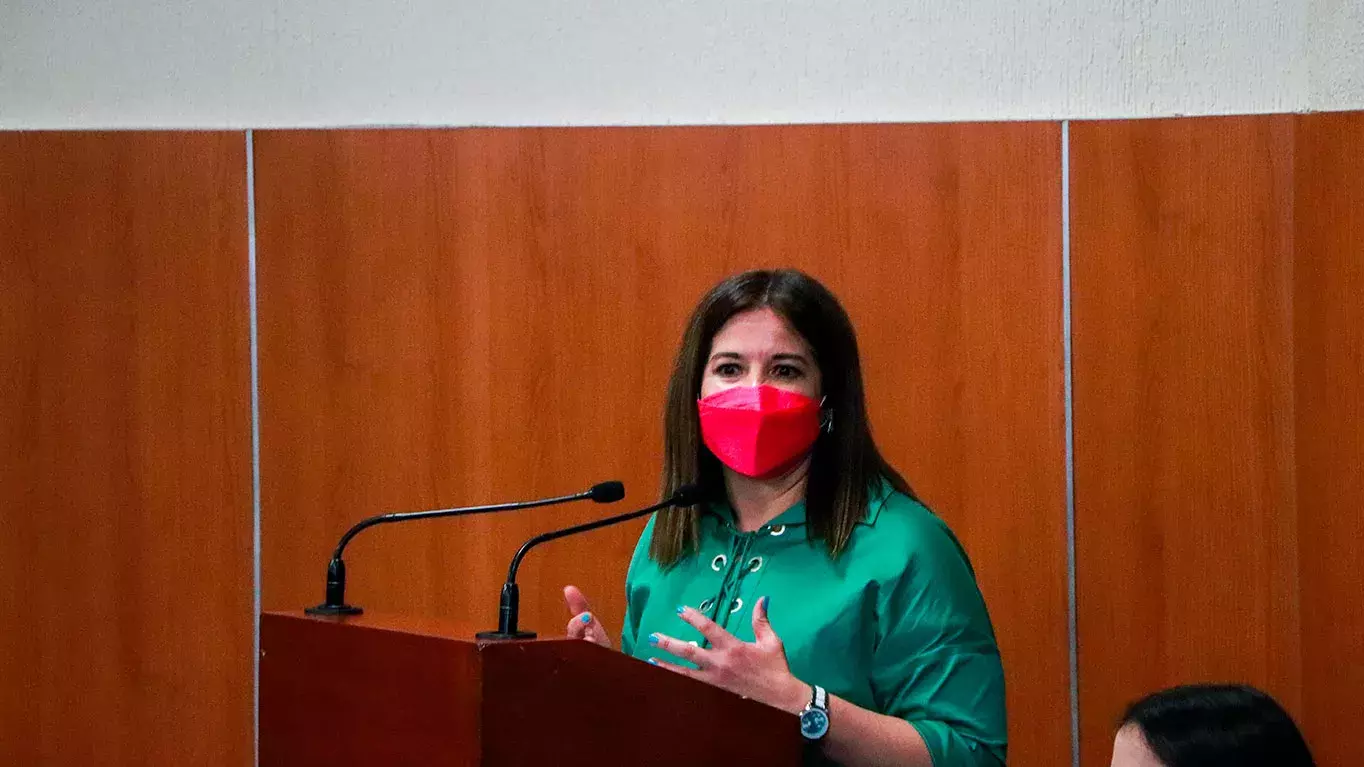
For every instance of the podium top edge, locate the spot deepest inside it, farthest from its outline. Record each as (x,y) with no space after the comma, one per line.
(440,628)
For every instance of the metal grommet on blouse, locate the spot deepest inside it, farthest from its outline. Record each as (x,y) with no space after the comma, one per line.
(718,562)
(777,530)
(755,564)
(736,605)
(707,604)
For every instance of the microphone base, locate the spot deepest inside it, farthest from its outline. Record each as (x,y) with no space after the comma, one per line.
(503,636)
(333,610)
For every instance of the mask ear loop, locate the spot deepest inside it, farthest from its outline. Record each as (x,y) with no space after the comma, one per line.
(826,417)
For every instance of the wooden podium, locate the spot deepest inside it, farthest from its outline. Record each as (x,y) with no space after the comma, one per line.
(374,690)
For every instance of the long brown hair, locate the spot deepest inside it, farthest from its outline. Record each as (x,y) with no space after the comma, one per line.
(845,466)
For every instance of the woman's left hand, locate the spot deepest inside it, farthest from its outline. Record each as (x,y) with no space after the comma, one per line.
(756,669)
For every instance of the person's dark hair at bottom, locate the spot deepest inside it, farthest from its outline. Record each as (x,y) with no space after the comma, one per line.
(1211,725)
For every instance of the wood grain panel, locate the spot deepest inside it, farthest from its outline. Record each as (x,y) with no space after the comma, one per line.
(634,708)
(1183,356)
(125,539)
(454,317)
(1329,350)
(366,691)
(374,689)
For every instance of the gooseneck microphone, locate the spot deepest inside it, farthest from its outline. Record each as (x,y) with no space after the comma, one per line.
(508,607)
(335,602)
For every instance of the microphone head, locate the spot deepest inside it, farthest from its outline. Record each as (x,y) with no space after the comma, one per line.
(607,492)
(687,495)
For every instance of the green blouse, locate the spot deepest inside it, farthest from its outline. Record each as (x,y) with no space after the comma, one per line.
(896,624)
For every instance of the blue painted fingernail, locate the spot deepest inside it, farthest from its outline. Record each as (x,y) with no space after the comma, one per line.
(653,661)
(587,617)
(765,601)
(653,639)
(681,609)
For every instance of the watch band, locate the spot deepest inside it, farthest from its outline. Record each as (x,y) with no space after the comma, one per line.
(819,698)
(814,719)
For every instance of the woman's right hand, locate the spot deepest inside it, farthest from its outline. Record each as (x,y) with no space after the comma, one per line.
(584,623)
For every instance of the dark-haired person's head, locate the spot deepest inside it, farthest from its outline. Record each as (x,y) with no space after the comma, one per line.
(1208,725)
(780,327)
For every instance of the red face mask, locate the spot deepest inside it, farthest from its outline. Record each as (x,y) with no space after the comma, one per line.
(758,430)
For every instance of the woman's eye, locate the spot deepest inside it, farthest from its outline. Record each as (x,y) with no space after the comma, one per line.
(786,372)
(727,370)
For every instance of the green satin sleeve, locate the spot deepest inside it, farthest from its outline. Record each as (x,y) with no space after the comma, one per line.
(635,596)
(936,662)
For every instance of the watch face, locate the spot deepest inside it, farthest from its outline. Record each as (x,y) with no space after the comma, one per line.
(814,723)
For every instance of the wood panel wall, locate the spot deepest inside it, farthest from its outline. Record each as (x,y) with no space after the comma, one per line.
(125,470)
(459,316)
(1329,409)
(1216,267)
(454,317)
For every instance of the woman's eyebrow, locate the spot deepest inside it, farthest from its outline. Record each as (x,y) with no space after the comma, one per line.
(779,357)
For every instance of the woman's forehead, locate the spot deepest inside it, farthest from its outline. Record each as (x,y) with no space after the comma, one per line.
(758,331)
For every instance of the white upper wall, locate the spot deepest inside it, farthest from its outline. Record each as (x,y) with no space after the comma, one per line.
(279,63)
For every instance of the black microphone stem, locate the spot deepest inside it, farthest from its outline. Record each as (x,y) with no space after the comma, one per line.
(583,528)
(335,601)
(509,603)
(457,512)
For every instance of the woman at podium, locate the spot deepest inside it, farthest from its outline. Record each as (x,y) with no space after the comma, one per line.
(812,580)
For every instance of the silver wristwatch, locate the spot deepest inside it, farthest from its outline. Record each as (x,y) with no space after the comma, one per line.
(814,720)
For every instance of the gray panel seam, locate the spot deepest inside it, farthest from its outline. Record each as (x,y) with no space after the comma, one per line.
(255,443)
(1066,333)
